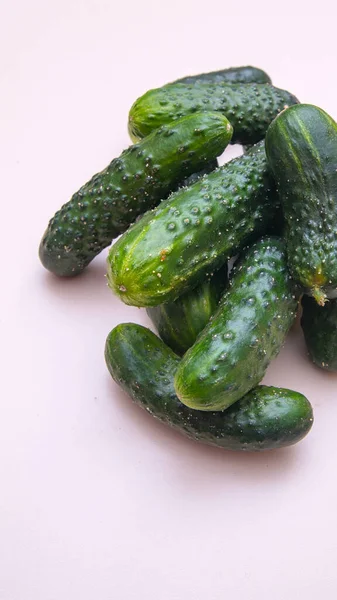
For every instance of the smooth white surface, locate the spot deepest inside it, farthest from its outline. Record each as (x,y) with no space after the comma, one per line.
(99,501)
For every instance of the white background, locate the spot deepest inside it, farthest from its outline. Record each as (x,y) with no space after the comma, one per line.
(97,500)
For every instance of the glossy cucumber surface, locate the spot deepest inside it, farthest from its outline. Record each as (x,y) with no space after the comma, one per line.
(301,146)
(173,248)
(180,322)
(250,107)
(319,324)
(133,183)
(144,368)
(231,355)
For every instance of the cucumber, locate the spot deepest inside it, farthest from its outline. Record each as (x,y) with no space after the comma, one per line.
(232,75)
(249,107)
(231,355)
(191,234)
(301,146)
(136,181)
(144,367)
(180,322)
(191,179)
(319,324)
(211,166)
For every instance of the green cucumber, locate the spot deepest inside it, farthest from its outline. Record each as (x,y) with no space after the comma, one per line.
(144,367)
(209,168)
(319,324)
(180,322)
(136,181)
(171,249)
(301,146)
(250,107)
(191,179)
(231,355)
(233,75)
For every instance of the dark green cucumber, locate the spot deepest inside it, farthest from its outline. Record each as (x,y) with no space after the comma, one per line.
(191,179)
(144,367)
(180,322)
(192,233)
(247,331)
(249,107)
(211,166)
(319,324)
(136,181)
(301,147)
(233,75)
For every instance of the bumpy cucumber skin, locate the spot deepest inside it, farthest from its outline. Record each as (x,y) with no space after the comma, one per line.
(319,324)
(301,146)
(233,75)
(191,234)
(231,355)
(211,166)
(136,181)
(180,322)
(249,107)
(266,418)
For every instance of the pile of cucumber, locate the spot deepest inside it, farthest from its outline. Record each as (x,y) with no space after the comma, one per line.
(273,210)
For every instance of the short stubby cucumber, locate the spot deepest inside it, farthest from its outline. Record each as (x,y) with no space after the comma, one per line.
(301,146)
(232,75)
(250,107)
(319,324)
(180,322)
(133,183)
(266,418)
(247,331)
(191,234)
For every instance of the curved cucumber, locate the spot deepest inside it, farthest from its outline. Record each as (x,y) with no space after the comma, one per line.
(301,146)
(191,234)
(136,181)
(144,367)
(180,322)
(319,324)
(249,107)
(233,75)
(247,331)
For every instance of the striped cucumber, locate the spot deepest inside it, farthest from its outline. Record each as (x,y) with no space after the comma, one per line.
(301,146)
(180,322)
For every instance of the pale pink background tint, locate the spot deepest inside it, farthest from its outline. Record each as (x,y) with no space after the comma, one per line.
(98,501)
